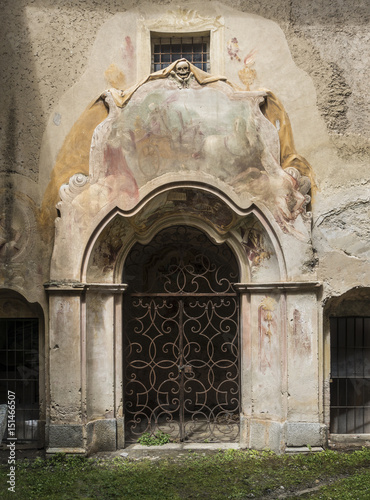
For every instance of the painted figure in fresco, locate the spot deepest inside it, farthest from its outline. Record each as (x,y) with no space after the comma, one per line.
(150,147)
(210,130)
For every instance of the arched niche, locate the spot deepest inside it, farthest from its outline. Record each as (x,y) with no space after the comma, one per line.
(248,234)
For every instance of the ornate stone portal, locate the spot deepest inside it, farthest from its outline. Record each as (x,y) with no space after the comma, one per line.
(183,148)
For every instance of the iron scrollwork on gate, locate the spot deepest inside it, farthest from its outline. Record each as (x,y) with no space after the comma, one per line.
(181,336)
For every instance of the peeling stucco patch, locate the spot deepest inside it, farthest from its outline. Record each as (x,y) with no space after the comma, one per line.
(348,228)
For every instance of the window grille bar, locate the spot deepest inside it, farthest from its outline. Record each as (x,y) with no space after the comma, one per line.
(166,50)
(20,373)
(350,375)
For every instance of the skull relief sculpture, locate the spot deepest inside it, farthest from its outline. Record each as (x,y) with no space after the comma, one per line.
(182,74)
(182,69)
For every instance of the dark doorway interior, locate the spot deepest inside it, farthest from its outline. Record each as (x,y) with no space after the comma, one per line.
(350,375)
(181,339)
(19,374)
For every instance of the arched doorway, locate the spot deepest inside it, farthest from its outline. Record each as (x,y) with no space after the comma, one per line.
(181,338)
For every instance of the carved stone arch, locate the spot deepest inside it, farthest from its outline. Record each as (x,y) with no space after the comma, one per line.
(13,304)
(248,232)
(231,241)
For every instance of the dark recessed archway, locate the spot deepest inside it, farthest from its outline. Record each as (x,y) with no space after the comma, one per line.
(181,338)
(349,323)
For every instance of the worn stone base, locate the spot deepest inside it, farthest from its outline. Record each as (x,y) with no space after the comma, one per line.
(120,432)
(281,437)
(309,434)
(68,451)
(266,434)
(66,437)
(292,450)
(101,435)
(348,441)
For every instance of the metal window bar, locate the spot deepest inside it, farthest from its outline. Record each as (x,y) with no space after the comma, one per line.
(166,50)
(19,373)
(350,375)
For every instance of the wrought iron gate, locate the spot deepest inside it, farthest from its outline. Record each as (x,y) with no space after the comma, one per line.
(181,336)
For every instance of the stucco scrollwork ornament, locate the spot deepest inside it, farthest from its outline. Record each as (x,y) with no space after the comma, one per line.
(76,184)
(184,18)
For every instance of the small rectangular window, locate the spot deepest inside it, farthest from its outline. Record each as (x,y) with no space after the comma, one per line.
(167,48)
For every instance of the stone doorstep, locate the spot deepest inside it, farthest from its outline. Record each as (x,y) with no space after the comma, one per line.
(349,438)
(185,447)
(292,450)
(170,450)
(72,451)
(138,451)
(346,442)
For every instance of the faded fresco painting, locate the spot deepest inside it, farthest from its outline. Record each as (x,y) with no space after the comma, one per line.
(182,123)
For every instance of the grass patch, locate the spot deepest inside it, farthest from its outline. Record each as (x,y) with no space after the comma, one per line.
(231,474)
(158,439)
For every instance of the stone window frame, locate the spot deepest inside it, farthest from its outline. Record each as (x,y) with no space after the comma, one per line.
(188,22)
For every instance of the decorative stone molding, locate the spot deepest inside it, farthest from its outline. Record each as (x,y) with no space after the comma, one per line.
(64,286)
(78,287)
(106,287)
(181,21)
(278,287)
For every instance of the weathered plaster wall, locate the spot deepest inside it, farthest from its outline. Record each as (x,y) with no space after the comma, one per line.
(48,47)
(56,59)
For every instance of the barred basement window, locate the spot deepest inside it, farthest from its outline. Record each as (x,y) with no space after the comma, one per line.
(19,373)
(350,375)
(168,48)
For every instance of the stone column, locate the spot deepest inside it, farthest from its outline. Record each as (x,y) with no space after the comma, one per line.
(274,373)
(103,367)
(305,420)
(85,367)
(245,370)
(65,426)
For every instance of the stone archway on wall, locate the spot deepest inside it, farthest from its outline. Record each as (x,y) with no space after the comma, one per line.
(270,294)
(245,235)
(205,156)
